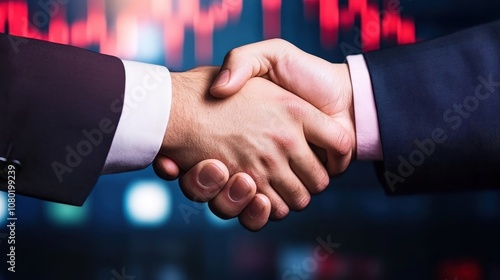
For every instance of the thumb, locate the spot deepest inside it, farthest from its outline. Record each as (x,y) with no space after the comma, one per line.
(243,63)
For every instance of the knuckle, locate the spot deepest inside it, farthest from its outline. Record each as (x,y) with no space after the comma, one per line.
(280,212)
(285,141)
(236,52)
(322,183)
(282,44)
(258,175)
(278,41)
(345,143)
(318,178)
(302,202)
(295,109)
(269,161)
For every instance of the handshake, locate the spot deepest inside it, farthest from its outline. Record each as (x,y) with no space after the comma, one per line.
(258,136)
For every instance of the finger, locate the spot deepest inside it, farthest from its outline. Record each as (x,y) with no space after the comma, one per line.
(165,168)
(340,158)
(256,213)
(282,63)
(279,209)
(243,63)
(290,189)
(204,181)
(234,197)
(309,169)
(326,133)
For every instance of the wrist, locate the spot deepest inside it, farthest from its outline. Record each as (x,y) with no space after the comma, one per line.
(344,81)
(189,95)
(179,117)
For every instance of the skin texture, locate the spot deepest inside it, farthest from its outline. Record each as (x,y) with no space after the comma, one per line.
(260,131)
(328,88)
(253,210)
(325,85)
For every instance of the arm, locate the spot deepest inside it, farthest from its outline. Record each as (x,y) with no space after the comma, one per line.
(245,62)
(96,84)
(462,165)
(69,115)
(47,91)
(252,134)
(437,105)
(448,114)
(132,100)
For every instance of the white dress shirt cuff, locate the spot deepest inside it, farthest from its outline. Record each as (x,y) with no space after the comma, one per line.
(369,146)
(142,125)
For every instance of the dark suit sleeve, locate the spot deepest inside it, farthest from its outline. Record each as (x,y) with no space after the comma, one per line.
(438,105)
(60,106)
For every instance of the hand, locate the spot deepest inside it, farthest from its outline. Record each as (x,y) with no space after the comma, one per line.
(328,88)
(325,85)
(263,139)
(208,181)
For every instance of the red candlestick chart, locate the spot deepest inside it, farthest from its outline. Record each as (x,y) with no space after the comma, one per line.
(376,24)
(120,33)
(121,36)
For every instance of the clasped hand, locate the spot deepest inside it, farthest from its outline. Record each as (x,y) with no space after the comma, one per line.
(275,124)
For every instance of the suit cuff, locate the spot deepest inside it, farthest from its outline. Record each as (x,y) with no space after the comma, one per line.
(142,125)
(368,143)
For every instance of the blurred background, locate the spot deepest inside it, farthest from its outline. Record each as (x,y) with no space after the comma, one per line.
(135,226)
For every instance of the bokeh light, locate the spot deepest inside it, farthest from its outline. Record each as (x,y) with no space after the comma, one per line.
(147,203)
(67,215)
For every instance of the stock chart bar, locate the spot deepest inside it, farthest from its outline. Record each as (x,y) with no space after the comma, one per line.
(119,34)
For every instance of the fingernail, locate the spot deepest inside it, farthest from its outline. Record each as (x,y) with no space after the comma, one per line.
(210,176)
(255,210)
(239,190)
(222,79)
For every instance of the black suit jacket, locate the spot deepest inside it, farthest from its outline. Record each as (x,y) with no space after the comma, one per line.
(438,105)
(59,108)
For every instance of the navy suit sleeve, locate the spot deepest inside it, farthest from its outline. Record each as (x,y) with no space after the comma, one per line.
(438,105)
(60,106)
